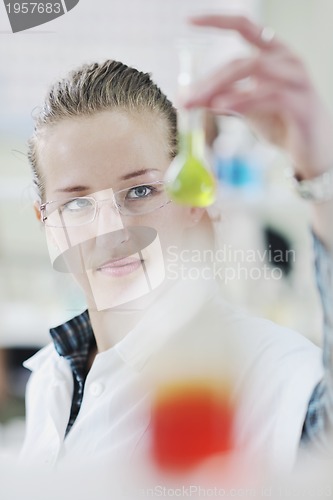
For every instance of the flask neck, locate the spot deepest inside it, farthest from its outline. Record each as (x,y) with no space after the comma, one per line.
(191,132)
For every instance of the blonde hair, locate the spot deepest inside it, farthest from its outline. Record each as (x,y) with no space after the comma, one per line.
(98,87)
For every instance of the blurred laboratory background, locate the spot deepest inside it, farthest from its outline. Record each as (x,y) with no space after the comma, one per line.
(256,208)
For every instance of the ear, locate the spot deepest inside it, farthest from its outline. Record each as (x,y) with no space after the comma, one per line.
(37,211)
(195,215)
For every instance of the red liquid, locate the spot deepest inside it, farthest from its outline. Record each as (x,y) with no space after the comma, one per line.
(189,425)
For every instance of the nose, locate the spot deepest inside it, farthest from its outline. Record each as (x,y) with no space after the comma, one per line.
(108,218)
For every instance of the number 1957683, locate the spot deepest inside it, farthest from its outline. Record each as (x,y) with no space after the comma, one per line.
(34,7)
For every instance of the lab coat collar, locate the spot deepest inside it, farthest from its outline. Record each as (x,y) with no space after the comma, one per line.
(37,360)
(164,318)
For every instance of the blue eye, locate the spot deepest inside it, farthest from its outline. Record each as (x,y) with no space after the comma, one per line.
(139,192)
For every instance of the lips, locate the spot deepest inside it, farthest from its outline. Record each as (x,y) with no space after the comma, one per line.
(120,267)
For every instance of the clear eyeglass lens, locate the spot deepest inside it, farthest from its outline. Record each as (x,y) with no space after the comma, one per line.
(137,200)
(141,199)
(75,212)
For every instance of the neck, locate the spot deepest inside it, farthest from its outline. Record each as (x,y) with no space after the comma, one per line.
(111,325)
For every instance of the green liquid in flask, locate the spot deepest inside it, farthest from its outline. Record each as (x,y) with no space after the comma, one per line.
(188,180)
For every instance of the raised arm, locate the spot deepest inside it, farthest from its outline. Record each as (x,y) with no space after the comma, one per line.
(279,100)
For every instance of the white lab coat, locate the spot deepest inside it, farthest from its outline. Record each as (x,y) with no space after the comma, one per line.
(192,331)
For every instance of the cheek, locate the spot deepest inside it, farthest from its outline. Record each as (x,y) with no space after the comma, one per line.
(172,228)
(170,222)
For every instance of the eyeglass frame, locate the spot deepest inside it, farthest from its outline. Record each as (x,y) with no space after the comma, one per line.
(96,202)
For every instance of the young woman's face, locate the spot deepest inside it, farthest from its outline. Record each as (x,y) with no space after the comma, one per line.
(100,155)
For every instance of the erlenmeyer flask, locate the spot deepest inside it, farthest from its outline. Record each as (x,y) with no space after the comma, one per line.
(188,179)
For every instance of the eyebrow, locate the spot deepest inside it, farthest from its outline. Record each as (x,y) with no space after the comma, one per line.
(137,173)
(130,175)
(72,189)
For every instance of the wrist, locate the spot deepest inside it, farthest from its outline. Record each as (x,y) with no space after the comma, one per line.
(317,188)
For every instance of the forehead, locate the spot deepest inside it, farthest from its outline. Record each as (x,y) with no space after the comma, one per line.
(97,149)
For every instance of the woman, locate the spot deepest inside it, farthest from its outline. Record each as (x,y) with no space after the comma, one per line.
(102,144)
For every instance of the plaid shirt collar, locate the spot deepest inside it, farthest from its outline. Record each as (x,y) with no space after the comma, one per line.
(74,340)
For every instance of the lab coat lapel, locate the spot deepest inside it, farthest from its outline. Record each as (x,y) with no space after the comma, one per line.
(59,396)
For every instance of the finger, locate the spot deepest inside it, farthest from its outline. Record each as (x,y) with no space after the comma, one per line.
(267,100)
(268,115)
(253,33)
(260,71)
